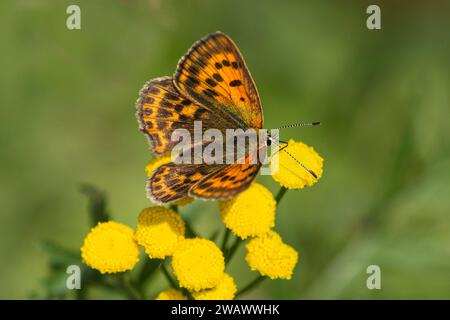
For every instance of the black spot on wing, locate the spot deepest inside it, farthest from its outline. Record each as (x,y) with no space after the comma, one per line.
(178,107)
(194,70)
(165,103)
(211,82)
(235,83)
(164,113)
(186,102)
(148,100)
(210,93)
(217,77)
(192,82)
(171,96)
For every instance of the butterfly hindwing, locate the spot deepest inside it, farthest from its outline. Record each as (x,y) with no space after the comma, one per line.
(214,73)
(171,182)
(226,182)
(161,109)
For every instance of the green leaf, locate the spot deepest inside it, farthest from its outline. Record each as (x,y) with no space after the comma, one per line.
(97,203)
(59,256)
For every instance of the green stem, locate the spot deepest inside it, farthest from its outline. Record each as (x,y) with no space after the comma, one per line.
(213,236)
(233,249)
(169,278)
(280,194)
(251,285)
(129,289)
(173,284)
(190,231)
(187,293)
(147,271)
(226,236)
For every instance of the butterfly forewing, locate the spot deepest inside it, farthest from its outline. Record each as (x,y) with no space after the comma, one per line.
(213,72)
(161,109)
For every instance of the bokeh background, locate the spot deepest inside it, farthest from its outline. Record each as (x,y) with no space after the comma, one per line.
(67,117)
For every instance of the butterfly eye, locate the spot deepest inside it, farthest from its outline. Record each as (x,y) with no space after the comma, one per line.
(268,142)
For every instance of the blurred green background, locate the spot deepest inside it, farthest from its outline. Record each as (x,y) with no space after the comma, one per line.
(67,117)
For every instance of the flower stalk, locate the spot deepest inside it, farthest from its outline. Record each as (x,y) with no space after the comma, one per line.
(280,195)
(168,277)
(250,285)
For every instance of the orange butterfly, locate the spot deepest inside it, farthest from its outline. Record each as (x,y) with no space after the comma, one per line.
(211,84)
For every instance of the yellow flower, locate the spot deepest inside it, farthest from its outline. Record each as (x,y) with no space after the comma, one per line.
(153,164)
(198,264)
(271,257)
(110,247)
(170,294)
(225,290)
(159,230)
(250,213)
(291,174)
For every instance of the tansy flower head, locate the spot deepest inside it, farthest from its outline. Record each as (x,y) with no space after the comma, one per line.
(159,230)
(250,213)
(225,290)
(198,264)
(110,247)
(153,164)
(290,174)
(271,257)
(171,294)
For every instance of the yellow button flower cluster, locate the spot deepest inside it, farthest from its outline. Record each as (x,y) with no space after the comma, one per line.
(110,247)
(153,164)
(224,290)
(159,230)
(198,264)
(290,173)
(251,213)
(271,257)
(171,294)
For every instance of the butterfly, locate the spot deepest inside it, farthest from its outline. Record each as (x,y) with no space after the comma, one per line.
(211,84)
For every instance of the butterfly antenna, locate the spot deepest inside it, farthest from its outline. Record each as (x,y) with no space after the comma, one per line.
(304,124)
(304,167)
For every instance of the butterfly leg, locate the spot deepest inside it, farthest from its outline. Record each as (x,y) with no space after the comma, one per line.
(280,147)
